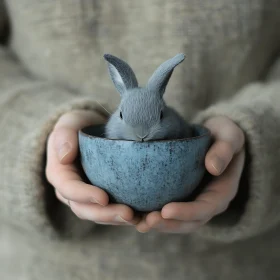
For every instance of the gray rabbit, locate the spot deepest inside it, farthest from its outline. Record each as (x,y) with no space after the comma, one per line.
(142,114)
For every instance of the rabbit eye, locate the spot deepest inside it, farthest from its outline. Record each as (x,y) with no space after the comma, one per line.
(121,115)
(161,115)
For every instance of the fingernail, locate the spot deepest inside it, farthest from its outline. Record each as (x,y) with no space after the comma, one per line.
(120,219)
(64,150)
(218,164)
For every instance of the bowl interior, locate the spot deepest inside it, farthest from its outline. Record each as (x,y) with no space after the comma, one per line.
(99,131)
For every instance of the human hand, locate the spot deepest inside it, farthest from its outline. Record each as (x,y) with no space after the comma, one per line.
(86,201)
(225,160)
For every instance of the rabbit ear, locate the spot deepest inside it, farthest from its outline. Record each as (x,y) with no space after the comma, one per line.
(121,74)
(159,80)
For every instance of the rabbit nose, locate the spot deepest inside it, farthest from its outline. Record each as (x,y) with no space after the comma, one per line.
(141,133)
(142,137)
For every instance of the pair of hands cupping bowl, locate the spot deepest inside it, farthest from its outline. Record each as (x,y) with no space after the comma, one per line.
(143,116)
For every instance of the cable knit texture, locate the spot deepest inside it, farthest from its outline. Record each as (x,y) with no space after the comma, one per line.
(53,64)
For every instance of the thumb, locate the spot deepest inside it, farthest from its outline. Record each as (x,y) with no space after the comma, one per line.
(66,144)
(65,133)
(229,141)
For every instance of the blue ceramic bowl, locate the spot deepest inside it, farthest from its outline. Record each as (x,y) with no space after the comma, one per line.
(144,175)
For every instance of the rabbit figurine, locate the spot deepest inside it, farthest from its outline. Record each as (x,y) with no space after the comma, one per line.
(142,114)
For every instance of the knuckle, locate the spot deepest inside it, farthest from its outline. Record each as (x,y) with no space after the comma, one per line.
(57,132)
(209,210)
(58,195)
(232,192)
(228,147)
(78,214)
(224,208)
(209,215)
(49,174)
(68,120)
(212,210)
(57,182)
(65,117)
(64,189)
(96,215)
(240,136)
(205,221)
(77,211)
(236,139)
(221,208)
(63,130)
(50,137)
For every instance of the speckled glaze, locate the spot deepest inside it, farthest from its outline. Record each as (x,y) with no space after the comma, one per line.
(144,175)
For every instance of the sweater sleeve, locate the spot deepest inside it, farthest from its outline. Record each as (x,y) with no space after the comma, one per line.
(28,111)
(255,209)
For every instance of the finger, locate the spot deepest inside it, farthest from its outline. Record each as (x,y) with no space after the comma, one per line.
(62,199)
(66,179)
(68,203)
(154,220)
(229,140)
(224,129)
(112,213)
(114,224)
(69,184)
(213,200)
(218,157)
(143,226)
(65,133)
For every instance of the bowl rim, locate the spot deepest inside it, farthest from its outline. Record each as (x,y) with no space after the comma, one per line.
(207,133)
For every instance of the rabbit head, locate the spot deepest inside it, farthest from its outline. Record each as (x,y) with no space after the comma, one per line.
(142,114)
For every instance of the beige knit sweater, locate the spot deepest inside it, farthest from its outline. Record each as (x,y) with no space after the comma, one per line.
(53,63)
